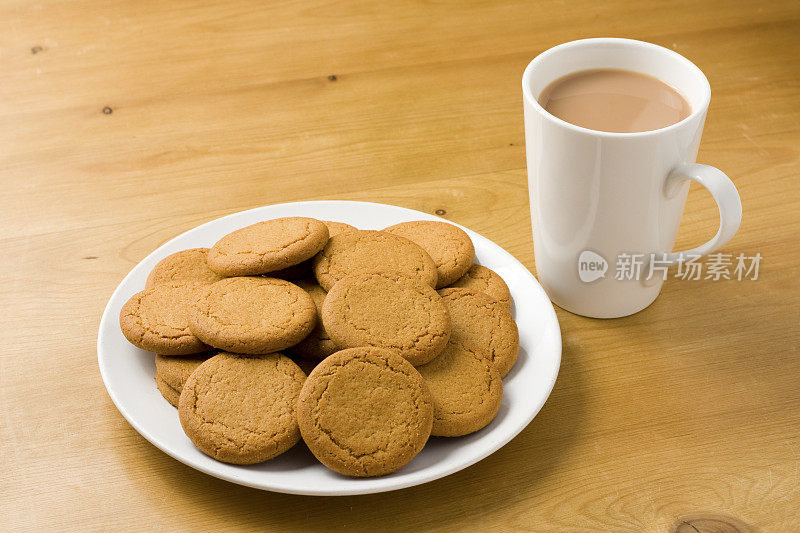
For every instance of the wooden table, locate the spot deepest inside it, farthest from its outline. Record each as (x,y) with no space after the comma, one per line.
(126,123)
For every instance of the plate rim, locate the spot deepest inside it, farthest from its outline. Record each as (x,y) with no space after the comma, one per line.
(484,452)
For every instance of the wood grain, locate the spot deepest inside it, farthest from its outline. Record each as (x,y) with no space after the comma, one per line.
(124,124)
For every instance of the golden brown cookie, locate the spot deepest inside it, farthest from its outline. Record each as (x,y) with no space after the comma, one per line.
(449,246)
(467,391)
(335,228)
(252,315)
(173,372)
(156,319)
(318,345)
(304,269)
(487,281)
(372,252)
(187,265)
(240,409)
(483,324)
(365,412)
(387,311)
(169,393)
(267,246)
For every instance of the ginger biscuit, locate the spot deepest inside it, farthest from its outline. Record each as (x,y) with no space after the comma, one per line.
(318,345)
(449,246)
(483,324)
(335,228)
(387,311)
(169,393)
(172,372)
(372,252)
(365,412)
(467,391)
(252,315)
(304,269)
(156,319)
(267,246)
(487,281)
(240,409)
(187,265)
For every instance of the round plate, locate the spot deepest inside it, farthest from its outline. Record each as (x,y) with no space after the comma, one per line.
(128,371)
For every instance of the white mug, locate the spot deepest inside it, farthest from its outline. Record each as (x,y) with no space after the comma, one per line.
(596,197)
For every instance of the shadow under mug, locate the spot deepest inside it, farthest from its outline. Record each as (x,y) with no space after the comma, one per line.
(597,197)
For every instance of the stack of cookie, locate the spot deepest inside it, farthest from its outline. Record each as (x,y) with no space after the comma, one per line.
(362,343)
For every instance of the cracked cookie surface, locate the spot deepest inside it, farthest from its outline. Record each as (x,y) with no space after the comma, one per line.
(173,371)
(371,252)
(387,311)
(252,315)
(365,412)
(186,265)
(240,409)
(483,324)
(267,246)
(156,319)
(487,281)
(467,391)
(449,246)
(305,269)
(318,345)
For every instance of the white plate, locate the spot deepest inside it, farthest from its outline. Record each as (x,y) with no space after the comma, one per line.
(128,372)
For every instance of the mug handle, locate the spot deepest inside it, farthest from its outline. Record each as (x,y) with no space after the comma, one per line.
(725,195)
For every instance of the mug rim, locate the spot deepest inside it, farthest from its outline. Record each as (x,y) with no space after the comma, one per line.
(528,95)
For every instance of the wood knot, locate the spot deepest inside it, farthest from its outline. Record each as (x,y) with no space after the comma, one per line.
(107,110)
(440,212)
(333,77)
(36,49)
(709,523)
